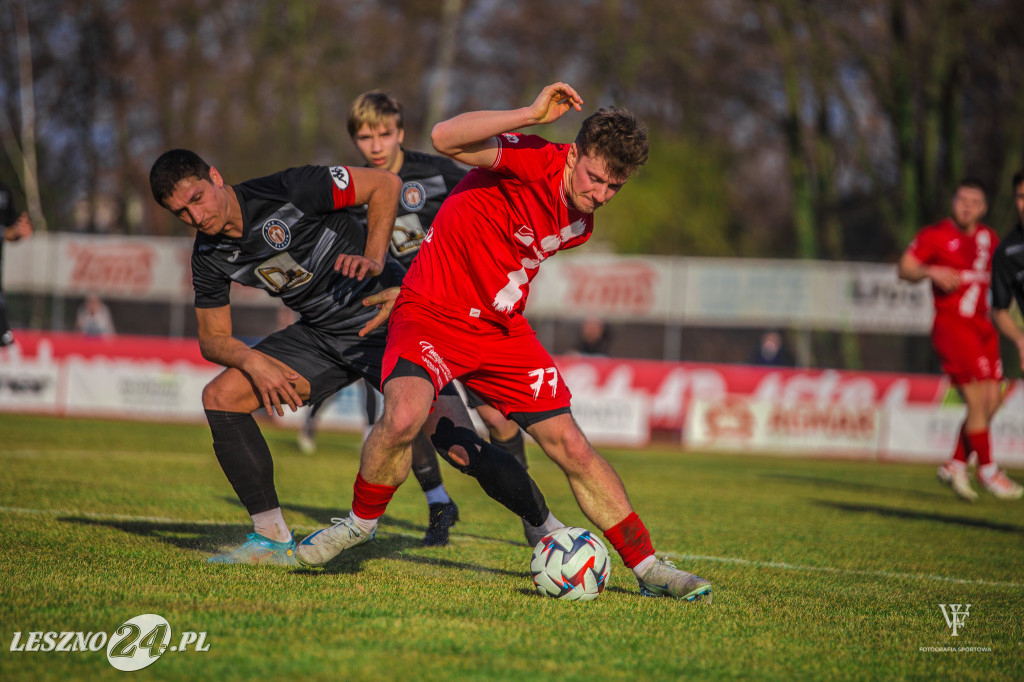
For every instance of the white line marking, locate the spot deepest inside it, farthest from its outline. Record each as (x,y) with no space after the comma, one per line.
(841,571)
(672,555)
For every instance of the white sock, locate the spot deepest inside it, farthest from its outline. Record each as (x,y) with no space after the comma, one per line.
(989,470)
(437,495)
(365,525)
(642,567)
(270,524)
(550,524)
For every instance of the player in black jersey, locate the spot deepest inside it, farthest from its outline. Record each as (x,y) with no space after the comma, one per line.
(376,125)
(13,227)
(1007,285)
(288,235)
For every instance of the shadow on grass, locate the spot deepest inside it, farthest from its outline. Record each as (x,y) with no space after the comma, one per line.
(821,482)
(202,537)
(910,515)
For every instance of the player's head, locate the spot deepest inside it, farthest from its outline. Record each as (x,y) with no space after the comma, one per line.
(610,146)
(1018,193)
(191,189)
(969,203)
(376,126)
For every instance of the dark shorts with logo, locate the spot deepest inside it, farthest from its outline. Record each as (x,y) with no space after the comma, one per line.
(329,361)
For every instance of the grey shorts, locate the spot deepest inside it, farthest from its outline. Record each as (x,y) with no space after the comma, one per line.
(329,361)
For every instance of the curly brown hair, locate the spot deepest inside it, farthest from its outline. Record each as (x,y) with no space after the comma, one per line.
(617,137)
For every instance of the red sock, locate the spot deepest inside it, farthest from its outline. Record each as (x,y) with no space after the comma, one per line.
(980,442)
(369,500)
(631,540)
(960,454)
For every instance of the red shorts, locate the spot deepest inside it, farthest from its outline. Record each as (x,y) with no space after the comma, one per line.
(506,366)
(968,348)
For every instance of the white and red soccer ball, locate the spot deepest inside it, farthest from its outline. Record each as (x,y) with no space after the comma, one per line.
(570,563)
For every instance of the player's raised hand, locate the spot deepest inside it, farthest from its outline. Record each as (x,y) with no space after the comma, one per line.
(553,101)
(357,267)
(385,301)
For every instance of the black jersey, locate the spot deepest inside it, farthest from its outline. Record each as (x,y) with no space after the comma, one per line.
(1008,270)
(427,180)
(293,231)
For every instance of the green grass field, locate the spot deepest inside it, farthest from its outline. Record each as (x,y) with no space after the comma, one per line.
(822,569)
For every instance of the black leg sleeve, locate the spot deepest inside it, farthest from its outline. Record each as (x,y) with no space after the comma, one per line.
(425,466)
(499,474)
(514,446)
(245,458)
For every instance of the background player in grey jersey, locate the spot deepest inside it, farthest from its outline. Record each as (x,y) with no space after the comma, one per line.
(377,127)
(14,227)
(286,234)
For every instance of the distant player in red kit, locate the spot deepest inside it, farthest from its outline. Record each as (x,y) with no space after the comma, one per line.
(956,256)
(459,315)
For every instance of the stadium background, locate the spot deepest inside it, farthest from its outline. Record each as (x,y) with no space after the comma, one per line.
(797,147)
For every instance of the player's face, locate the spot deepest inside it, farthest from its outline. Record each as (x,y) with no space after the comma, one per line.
(1018,199)
(588,184)
(381,145)
(968,206)
(199,203)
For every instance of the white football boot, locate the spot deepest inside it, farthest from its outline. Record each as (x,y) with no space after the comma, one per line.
(1001,485)
(955,476)
(320,547)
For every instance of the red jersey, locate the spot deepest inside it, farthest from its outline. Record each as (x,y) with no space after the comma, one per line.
(496,227)
(946,244)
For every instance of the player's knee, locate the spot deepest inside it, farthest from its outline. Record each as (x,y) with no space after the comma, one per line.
(400,423)
(218,396)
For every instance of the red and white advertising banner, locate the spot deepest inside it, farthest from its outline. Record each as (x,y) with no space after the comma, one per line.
(610,287)
(671,386)
(743,424)
(860,297)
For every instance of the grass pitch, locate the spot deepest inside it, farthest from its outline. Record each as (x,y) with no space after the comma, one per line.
(822,569)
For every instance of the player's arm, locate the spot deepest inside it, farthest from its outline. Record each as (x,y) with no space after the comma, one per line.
(20,229)
(1006,326)
(273,381)
(379,190)
(913,270)
(469,137)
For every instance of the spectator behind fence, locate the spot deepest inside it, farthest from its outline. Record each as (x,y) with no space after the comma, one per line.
(15,227)
(771,351)
(94,317)
(594,337)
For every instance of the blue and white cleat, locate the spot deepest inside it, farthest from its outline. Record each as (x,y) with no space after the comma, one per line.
(325,544)
(261,550)
(663,579)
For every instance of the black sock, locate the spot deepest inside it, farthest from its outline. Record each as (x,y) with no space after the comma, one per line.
(514,446)
(245,458)
(498,473)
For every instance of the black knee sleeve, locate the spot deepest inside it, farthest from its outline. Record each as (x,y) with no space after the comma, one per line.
(245,458)
(425,466)
(498,473)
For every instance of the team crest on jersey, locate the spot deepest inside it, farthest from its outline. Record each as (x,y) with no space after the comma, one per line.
(277,234)
(511,137)
(413,196)
(340,176)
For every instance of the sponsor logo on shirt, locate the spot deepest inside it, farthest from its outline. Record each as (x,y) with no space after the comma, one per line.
(953,245)
(277,234)
(511,137)
(340,176)
(413,196)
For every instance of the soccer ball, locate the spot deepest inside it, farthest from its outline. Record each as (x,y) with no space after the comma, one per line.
(570,563)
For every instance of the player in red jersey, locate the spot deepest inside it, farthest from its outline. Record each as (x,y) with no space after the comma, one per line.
(956,256)
(459,315)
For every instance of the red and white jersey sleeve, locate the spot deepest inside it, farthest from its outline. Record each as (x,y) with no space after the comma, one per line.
(945,244)
(496,228)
